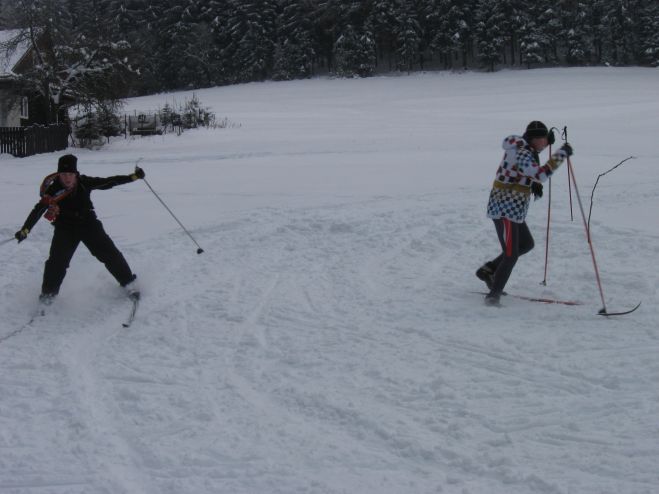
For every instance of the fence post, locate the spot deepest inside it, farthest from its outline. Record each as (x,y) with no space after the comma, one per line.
(20,141)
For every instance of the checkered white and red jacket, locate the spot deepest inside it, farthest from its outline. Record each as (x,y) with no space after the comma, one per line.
(519,168)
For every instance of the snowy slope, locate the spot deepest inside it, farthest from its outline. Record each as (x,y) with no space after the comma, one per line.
(327,341)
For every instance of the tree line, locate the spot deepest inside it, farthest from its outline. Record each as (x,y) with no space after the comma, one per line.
(102,49)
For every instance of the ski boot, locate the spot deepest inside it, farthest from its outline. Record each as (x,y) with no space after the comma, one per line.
(486,273)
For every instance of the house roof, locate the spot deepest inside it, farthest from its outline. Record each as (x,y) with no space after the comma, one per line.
(10,53)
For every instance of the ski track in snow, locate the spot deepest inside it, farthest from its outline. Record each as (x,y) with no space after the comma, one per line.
(336,347)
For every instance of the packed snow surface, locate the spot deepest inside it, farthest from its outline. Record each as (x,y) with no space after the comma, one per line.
(328,340)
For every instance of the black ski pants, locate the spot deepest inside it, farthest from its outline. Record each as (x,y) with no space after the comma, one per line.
(64,244)
(516,240)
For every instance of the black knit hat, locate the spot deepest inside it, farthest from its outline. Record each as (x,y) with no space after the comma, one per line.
(67,164)
(536,129)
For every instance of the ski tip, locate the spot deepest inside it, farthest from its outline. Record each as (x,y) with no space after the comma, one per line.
(603,312)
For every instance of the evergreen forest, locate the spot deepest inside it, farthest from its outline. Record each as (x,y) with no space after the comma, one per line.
(118,48)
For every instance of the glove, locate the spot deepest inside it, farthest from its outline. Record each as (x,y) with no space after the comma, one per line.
(536,190)
(138,173)
(21,235)
(52,212)
(568,149)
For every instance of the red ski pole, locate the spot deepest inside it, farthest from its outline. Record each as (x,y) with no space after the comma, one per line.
(569,184)
(544,281)
(590,240)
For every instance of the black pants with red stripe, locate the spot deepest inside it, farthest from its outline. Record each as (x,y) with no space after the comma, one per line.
(516,240)
(64,244)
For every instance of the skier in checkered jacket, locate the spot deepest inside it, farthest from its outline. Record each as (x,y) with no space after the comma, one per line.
(519,175)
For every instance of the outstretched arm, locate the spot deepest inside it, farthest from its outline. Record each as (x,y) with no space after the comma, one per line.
(100,183)
(32,218)
(540,173)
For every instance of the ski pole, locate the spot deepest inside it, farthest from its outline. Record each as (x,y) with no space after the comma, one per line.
(569,184)
(6,241)
(544,280)
(590,240)
(569,188)
(199,249)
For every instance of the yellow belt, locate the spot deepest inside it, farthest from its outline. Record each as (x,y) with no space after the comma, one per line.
(524,189)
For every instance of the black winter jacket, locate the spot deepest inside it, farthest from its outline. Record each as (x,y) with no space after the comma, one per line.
(76,208)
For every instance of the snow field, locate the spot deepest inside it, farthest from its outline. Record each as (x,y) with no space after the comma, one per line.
(328,340)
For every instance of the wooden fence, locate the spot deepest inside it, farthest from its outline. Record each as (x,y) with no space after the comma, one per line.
(26,141)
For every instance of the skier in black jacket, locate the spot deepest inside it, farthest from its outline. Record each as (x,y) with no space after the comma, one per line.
(66,202)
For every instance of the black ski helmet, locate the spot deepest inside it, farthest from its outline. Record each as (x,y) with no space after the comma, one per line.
(67,163)
(538,129)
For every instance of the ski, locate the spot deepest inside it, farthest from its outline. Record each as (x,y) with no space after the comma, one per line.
(603,312)
(135,299)
(40,312)
(542,300)
(545,300)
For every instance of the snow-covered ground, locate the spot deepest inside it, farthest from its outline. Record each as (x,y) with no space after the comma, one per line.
(328,340)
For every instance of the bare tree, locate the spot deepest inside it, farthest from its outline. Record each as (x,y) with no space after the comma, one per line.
(75,55)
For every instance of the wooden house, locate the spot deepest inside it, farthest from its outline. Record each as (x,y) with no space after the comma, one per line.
(20,107)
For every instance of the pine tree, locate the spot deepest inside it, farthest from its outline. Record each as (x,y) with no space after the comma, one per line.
(508,17)
(293,59)
(167,116)
(649,35)
(108,120)
(125,18)
(642,20)
(450,21)
(99,45)
(325,21)
(531,44)
(408,36)
(170,61)
(222,48)
(294,53)
(198,63)
(619,31)
(354,53)
(191,113)
(548,26)
(251,26)
(381,23)
(87,129)
(575,35)
(489,33)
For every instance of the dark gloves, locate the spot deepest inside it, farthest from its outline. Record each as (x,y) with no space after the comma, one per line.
(536,190)
(138,173)
(567,148)
(21,235)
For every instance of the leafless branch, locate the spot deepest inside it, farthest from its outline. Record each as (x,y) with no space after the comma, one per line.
(592,194)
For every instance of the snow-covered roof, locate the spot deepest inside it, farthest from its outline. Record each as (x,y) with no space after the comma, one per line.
(11,55)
